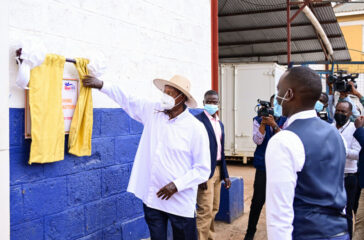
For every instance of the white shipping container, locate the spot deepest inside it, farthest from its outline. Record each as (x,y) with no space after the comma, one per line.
(241,84)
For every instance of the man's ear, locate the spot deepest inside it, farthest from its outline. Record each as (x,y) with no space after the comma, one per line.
(290,94)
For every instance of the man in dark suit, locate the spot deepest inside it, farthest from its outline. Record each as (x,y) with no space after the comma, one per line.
(208,195)
(359,220)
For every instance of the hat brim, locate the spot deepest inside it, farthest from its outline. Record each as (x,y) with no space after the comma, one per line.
(161,83)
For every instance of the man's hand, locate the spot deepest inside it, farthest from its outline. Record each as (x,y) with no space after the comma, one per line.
(269,121)
(167,191)
(359,122)
(227,183)
(203,186)
(354,91)
(92,82)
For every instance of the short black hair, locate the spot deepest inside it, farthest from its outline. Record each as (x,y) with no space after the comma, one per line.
(211,92)
(272,97)
(326,96)
(349,103)
(307,83)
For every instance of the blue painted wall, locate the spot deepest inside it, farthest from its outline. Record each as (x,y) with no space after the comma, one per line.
(79,197)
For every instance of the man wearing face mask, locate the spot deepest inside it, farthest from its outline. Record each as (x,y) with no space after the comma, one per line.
(263,129)
(347,129)
(208,195)
(173,156)
(305,163)
(321,108)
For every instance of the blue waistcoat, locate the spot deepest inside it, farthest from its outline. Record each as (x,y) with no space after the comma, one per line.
(259,154)
(320,194)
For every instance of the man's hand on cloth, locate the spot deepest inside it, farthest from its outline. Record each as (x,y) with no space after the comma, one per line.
(92,82)
(167,191)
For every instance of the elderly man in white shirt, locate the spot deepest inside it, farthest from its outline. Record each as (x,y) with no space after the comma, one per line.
(347,128)
(173,156)
(305,163)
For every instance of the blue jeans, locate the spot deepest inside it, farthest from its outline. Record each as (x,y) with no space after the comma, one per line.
(183,228)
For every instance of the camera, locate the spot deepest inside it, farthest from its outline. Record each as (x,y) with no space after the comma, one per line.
(323,115)
(264,108)
(341,79)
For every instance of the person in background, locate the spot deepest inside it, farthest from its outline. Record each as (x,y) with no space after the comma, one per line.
(173,155)
(359,219)
(305,163)
(208,194)
(347,129)
(344,96)
(263,129)
(321,108)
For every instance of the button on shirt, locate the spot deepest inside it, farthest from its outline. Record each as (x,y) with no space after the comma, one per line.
(215,122)
(175,150)
(353,146)
(285,156)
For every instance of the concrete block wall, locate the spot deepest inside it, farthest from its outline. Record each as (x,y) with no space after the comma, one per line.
(139,40)
(79,197)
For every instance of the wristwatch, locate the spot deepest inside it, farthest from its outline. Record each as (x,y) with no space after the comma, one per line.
(276,128)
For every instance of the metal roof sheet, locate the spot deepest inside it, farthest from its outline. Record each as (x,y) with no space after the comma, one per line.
(349,7)
(256,30)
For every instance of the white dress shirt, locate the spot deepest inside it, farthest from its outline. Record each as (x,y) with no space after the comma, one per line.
(353,146)
(175,150)
(285,156)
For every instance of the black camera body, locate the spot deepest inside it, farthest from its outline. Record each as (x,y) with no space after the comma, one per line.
(264,109)
(340,81)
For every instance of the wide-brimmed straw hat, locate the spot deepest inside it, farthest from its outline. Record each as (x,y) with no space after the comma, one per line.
(181,83)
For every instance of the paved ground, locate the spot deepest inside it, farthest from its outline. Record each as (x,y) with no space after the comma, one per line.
(236,230)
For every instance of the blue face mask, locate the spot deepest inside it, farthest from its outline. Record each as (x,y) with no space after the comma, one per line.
(319,106)
(277,108)
(211,108)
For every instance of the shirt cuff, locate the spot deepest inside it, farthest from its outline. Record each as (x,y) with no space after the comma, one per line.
(105,87)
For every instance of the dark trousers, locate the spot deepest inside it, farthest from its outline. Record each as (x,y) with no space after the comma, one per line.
(357,195)
(183,228)
(350,187)
(258,201)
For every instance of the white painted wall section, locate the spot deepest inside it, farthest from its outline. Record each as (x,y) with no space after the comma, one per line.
(139,39)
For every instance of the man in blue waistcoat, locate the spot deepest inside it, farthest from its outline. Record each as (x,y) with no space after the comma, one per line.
(359,219)
(305,163)
(263,129)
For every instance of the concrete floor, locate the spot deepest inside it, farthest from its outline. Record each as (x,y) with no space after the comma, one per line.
(236,230)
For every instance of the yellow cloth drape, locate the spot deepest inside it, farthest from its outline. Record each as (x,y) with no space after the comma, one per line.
(79,143)
(45,102)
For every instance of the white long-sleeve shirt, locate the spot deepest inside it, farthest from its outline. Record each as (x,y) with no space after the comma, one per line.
(353,146)
(175,150)
(285,156)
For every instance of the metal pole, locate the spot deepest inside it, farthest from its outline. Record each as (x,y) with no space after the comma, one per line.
(288,33)
(214,46)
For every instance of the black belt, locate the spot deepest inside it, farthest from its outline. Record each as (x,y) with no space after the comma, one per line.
(349,174)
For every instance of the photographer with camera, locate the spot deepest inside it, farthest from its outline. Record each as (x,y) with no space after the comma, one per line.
(321,108)
(347,128)
(268,122)
(345,85)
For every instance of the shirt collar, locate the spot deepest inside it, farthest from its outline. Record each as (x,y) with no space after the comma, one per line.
(345,125)
(183,114)
(211,117)
(301,115)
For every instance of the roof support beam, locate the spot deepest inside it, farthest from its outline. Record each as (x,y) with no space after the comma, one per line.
(281,40)
(282,9)
(275,54)
(272,27)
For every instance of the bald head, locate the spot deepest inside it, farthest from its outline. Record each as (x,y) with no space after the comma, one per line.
(302,87)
